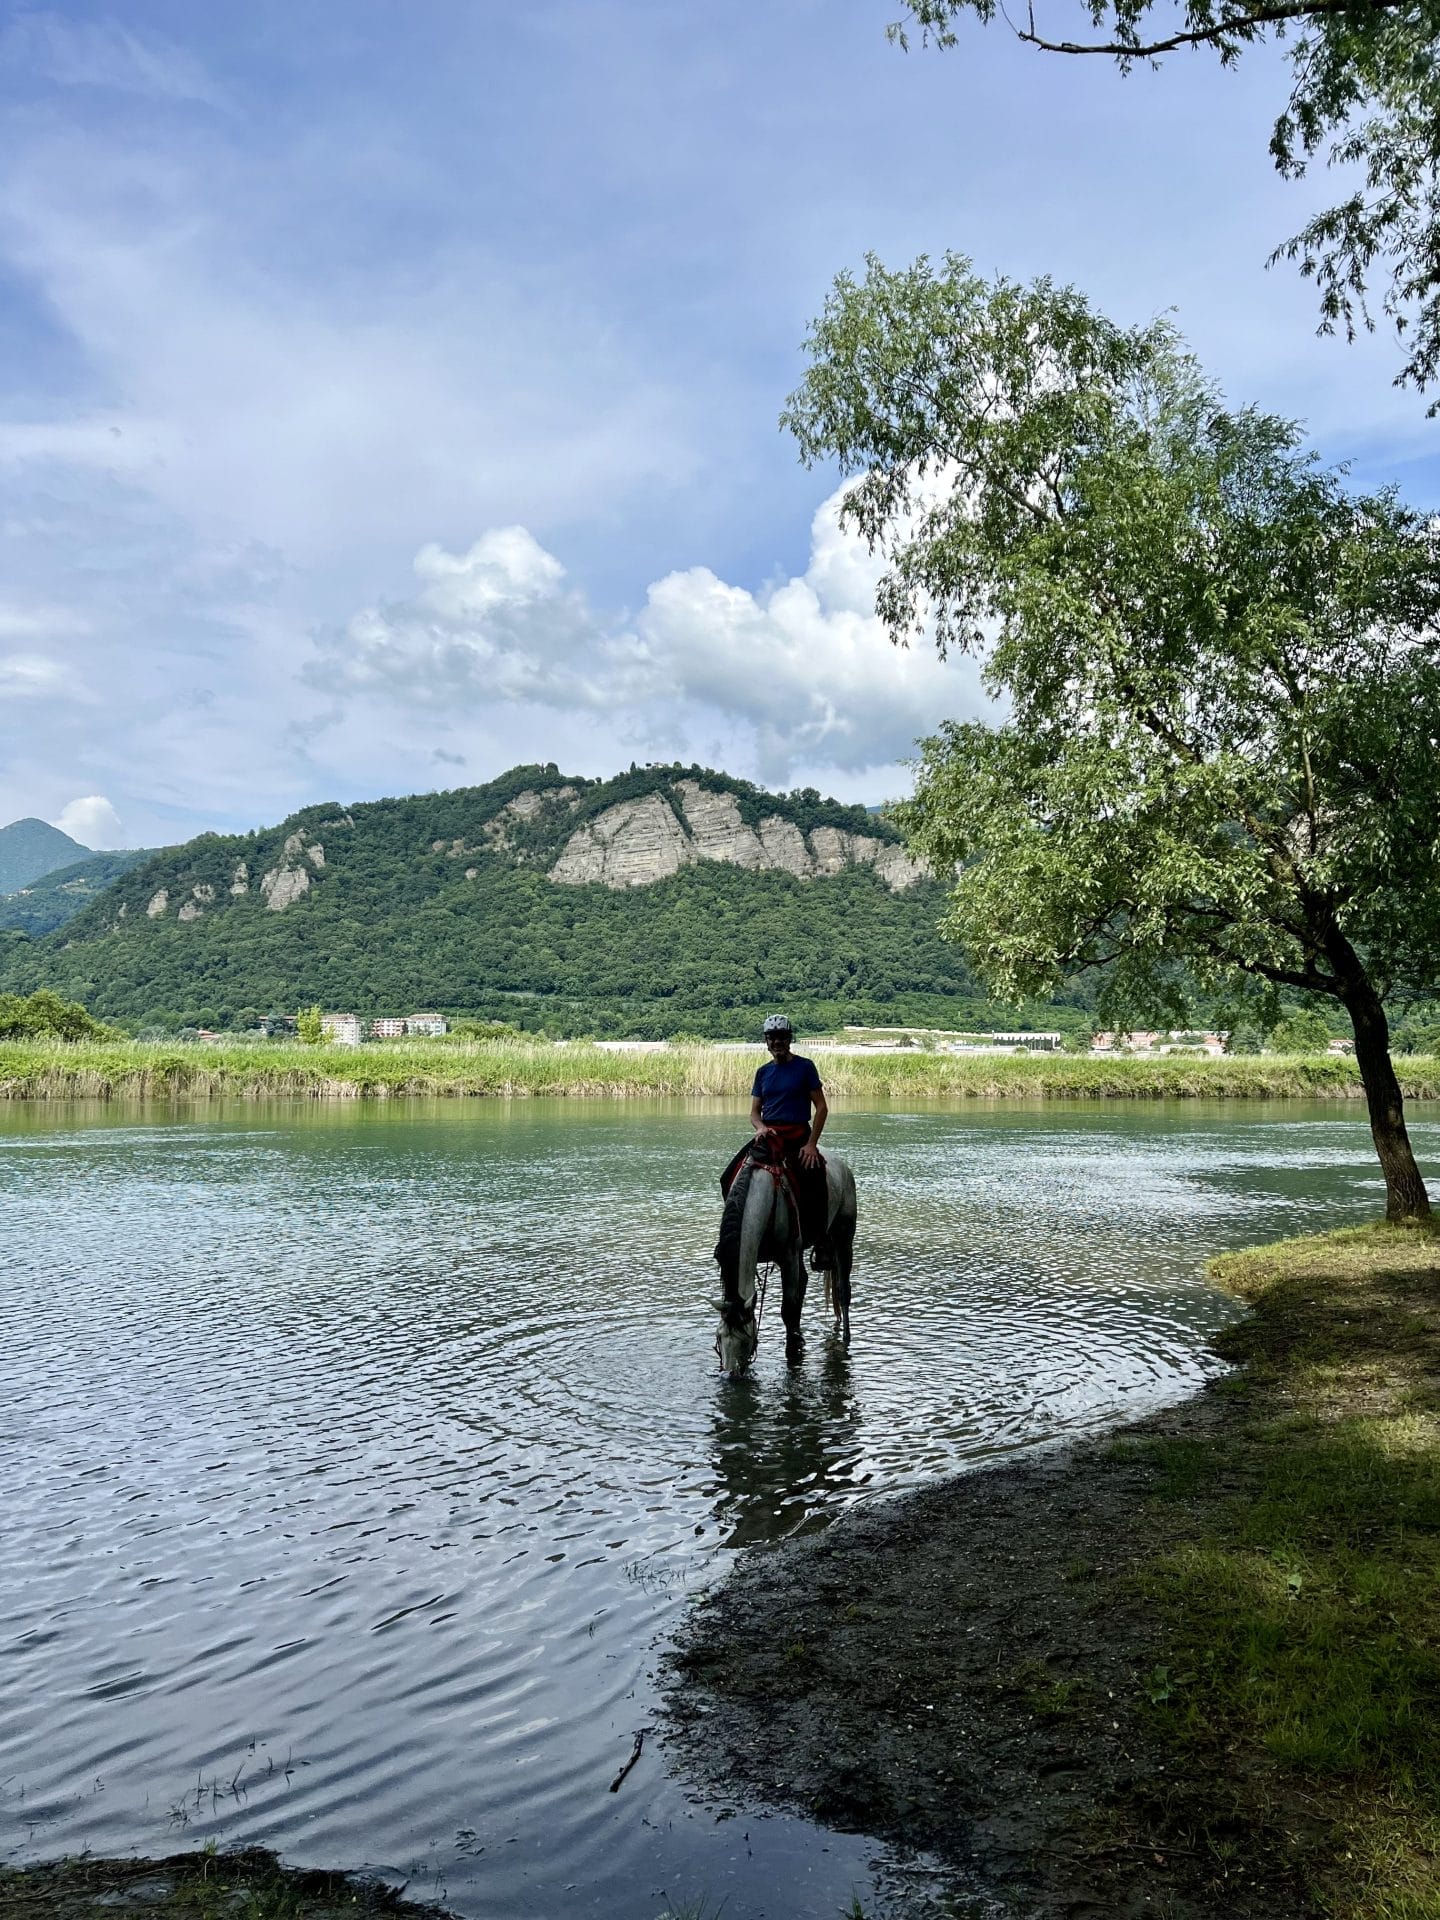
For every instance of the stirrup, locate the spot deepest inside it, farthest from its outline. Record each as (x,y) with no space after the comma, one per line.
(822,1257)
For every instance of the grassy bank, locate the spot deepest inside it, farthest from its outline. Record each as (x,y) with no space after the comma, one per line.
(249,1884)
(1299,1600)
(131,1070)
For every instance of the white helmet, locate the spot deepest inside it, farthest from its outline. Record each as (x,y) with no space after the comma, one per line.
(778,1023)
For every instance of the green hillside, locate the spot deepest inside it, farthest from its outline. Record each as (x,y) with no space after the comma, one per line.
(403,904)
(31,848)
(47,903)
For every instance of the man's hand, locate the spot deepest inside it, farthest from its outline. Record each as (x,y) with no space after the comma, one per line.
(809,1156)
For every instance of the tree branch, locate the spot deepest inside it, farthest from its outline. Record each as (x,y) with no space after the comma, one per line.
(1240,25)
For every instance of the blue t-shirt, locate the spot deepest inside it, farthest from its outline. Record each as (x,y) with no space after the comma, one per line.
(783,1088)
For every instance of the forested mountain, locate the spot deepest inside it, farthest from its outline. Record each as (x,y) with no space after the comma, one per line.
(47,903)
(669,899)
(30,848)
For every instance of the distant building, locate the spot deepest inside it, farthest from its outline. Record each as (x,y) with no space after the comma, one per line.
(1183,1040)
(276,1025)
(427,1024)
(387,1029)
(342,1028)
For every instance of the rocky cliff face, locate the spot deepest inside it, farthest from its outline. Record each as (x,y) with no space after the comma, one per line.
(638,842)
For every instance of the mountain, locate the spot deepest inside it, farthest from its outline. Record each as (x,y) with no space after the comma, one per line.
(29,849)
(668,899)
(56,897)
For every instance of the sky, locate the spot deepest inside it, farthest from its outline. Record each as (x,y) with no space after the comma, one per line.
(390,394)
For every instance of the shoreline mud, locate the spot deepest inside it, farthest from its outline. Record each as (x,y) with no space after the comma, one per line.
(1092,1683)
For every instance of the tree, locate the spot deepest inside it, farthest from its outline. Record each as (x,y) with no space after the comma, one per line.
(1222,675)
(1366,82)
(44,1015)
(1303,1030)
(308,1026)
(1420,1037)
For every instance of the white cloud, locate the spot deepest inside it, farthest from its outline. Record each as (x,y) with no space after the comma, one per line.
(92,821)
(103,53)
(278,405)
(35,675)
(113,443)
(803,670)
(39,622)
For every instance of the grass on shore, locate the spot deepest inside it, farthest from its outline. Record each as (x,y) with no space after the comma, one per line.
(249,1884)
(1301,1598)
(518,1067)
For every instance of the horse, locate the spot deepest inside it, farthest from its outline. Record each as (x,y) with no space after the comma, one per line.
(760,1224)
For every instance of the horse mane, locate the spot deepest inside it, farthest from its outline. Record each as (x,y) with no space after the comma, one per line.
(727,1247)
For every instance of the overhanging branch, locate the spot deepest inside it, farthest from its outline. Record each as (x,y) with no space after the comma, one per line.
(1235,26)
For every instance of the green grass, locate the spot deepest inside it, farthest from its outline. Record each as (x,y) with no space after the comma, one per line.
(518,1067)
(1300,1607)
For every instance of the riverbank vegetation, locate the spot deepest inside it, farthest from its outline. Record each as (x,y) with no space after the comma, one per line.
(248,1884)
(1199,1667)
(519,1066)
(1298,1601)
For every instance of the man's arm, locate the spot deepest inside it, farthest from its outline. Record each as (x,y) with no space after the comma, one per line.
(819,1115)
(755,1121)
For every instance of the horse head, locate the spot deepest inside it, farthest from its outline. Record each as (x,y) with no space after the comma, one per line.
(737,1336)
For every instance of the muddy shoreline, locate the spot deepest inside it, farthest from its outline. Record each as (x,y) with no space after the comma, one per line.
(966,1671)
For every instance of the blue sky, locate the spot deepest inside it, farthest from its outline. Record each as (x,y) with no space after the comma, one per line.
(388,394)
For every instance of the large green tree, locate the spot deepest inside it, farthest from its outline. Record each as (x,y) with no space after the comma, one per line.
(1365,88)
(1218,668)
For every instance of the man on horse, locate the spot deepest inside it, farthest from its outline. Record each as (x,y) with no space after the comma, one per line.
(781,1197)
(786,1090)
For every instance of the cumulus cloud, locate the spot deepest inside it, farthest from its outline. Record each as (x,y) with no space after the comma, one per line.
(803,668)
(92,821)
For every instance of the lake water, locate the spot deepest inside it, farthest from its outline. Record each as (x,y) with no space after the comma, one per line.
(356,1457)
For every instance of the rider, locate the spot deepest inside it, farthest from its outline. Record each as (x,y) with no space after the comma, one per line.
(786,1088)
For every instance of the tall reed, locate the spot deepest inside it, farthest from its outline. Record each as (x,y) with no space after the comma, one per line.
(519,1067)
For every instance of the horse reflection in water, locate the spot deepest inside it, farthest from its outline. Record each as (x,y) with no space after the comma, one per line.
(787,1454)
(761,1223)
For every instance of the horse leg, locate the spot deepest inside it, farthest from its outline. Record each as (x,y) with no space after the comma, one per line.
(793,1281)
(842,1238)
(844,1261)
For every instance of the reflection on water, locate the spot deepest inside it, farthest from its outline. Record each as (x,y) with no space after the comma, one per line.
(355,1456)
(784,1455)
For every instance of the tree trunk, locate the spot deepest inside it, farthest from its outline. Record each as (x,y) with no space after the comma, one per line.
(1405,1195)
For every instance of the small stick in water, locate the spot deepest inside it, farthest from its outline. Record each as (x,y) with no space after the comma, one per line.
(639,1743)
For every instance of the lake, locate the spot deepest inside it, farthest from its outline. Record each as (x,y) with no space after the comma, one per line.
(357,1457)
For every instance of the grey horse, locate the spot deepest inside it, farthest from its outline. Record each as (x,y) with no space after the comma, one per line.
(759,1225)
